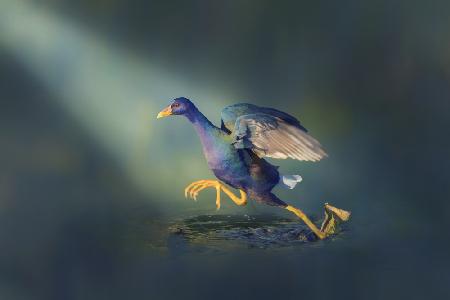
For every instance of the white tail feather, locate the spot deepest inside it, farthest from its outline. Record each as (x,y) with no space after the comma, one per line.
(290,181)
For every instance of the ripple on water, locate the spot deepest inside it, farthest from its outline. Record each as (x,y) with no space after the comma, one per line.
(240,231)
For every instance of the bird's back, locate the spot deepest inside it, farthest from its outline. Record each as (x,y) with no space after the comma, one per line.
(231,113)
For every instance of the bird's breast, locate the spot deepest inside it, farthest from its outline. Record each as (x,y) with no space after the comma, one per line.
(224,161)
(218,157)
(222,158)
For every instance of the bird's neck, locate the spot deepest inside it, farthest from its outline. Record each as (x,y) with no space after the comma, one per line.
(211,137)
(201,124)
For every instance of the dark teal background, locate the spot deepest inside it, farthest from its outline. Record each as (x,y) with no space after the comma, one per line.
(89,180)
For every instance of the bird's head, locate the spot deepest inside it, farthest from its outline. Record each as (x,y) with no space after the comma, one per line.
(179,106)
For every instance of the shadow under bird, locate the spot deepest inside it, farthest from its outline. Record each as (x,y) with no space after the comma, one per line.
(235,152)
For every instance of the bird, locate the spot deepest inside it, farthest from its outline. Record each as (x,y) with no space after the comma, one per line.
(236,151)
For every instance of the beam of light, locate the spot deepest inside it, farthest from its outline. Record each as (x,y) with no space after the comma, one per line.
(114,94)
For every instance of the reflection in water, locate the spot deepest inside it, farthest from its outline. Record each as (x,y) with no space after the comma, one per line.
(215,232)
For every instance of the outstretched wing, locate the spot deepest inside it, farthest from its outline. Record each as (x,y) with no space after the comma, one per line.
(271,136)
(230,114)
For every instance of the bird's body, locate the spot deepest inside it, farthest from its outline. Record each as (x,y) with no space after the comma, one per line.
(235,151)
(239,168)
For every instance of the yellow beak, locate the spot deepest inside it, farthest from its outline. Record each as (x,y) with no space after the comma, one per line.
(165,112)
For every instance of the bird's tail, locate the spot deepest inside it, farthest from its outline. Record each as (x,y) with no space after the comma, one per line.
(290,181)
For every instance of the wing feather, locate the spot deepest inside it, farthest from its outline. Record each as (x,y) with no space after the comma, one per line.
(230,114)
(272,136)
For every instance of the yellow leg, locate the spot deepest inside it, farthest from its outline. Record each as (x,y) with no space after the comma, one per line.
(196,187)
(239,201)
(307,221)
(332,216)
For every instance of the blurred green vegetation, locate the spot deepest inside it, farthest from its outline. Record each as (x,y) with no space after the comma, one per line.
(90,180)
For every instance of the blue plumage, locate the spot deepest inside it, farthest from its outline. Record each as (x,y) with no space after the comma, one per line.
(235,154)
(231,151)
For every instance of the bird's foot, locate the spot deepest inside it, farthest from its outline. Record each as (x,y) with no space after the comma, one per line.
(333,216)
(196,187)
(329,226)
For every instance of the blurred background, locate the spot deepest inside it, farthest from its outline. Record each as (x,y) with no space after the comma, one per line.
(90,181)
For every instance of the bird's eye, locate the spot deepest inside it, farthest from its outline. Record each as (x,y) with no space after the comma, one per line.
(175,105)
